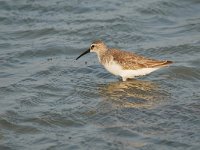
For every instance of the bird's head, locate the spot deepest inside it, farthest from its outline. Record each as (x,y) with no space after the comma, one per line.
(98,47)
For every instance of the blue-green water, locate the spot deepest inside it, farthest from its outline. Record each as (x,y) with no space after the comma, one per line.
(50,101)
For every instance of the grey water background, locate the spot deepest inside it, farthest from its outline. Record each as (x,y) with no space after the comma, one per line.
(50,101)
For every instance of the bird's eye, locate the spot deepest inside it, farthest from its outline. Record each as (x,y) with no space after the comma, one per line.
(92,46)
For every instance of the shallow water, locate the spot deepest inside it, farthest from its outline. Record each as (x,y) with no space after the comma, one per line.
(50,101)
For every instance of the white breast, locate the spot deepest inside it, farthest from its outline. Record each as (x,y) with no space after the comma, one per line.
(117,70)
(113,68)
(138,72)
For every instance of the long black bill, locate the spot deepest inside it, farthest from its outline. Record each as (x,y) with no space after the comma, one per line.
(83,54)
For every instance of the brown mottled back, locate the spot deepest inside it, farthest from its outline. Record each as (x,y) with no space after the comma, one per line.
(129,60)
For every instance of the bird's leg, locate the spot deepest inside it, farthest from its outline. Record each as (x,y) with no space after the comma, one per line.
(124,78)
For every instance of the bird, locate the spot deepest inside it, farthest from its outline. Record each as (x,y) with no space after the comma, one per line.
(127,65)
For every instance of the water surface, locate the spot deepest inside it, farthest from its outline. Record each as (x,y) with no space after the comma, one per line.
(50,101)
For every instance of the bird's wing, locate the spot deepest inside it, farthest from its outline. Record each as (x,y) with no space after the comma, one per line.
(130,60)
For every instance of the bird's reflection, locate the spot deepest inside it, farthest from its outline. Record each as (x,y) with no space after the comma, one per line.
(131,94)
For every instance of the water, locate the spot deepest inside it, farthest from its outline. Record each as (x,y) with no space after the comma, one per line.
(50,101)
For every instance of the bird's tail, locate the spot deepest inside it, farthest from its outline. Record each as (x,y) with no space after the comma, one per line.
(159,64)
(165,63)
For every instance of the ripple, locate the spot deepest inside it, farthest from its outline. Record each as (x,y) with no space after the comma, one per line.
(132,94)
(55,120)
(158,7)
(34,33)
(20,129)
(186,73)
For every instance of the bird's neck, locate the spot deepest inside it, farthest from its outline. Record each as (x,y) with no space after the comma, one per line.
(101,54)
